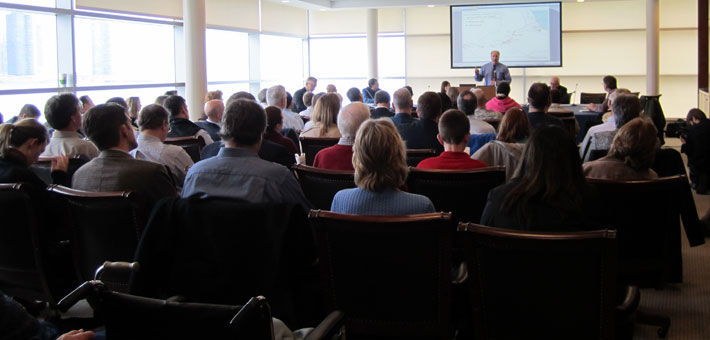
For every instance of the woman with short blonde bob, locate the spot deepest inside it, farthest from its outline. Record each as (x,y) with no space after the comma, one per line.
(631,154)
(379,159)
(325,118)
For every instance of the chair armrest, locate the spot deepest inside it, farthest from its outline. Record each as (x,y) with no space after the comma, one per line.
(80,293)
(330,328)
(116,275)
(631,301)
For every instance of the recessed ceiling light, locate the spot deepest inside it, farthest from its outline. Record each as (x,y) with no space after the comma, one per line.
(430,5)
(580,0)
(285,1)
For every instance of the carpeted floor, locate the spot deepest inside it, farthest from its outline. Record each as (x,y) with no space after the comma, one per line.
(687,304)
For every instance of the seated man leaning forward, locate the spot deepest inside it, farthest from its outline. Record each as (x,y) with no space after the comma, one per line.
(381,169)
(453,135)
(237,171)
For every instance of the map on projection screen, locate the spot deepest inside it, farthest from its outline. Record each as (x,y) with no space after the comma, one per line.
(527,35)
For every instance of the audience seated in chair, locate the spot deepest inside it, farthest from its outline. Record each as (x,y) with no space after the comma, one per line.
(539,100)
(153,123)
(180,124)
(28,111)
(277,96)
(108,127)
(62,112)
(274,124)
(556,107)
(419,133)
(501,102)
(548,192)
(453,135)
(380,170)
(609,84)
(481,112)
(608,124)
(382,106)
(467,103)
(340,156)
(625,108)
(299,100)
(214,109)
(631,154)
(237,171)
(508,145)
(368,93)
(324,119)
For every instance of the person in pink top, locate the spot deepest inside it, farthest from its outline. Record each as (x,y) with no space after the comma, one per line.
(501,102)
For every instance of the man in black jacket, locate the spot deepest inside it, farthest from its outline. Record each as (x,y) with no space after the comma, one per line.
(180,124)
(298,104)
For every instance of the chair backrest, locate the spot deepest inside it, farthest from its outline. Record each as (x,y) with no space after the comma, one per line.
(21,266)
(646,216)
(311,145)
(462,192)
(193,145)
(570,125)
(414,156)
(539,285)
(390,275)
(494,122)
(106,226)
(43,168)
(596,154)
(219,250)
(321,185)
(589,98)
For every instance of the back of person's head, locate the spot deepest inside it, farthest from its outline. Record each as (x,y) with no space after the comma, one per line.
(160,100)
(444,86)
(379,156)
(626,107)
(331,88)
(382,97)
(555,96)
(480,97)
(289,99)
(174,105)
(402,100)
(549,172)
(351,117)
(609,82)
(14,135)
(60,109)
(262,96)
(214,110)
(453,94)
(118,101)
(171,93)
(102,124)
(273,117)
(467,102)
(152,117)
(429,105)
(276,96)
(212,95)
(317,97)
(539,96)
(371,82)
(244,123)
(454,126)
(85,100)
(326,111)
(616,93)
(353,95)
(636,143)
(240,95)
(409,88)
(29,111)
(134,106)
(697,114)
(308,99)
(503,89)
(514,127)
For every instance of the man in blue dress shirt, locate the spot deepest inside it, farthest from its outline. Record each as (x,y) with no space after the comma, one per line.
(493,72)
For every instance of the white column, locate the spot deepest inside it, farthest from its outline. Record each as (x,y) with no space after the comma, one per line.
(371,31)
(195,55)
(652,39)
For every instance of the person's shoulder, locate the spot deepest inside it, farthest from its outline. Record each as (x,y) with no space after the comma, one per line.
(429,163)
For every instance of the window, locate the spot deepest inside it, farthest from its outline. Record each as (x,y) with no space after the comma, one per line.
(111,52)
(227,55)
(229,89)
(390,57)
(39,3)
(147,95)
(339,57)
(281,62)
(10,105)
(28,50)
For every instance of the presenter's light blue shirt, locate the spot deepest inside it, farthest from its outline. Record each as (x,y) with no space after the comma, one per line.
(486,73)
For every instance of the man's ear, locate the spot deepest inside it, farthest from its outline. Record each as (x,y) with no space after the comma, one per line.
(441,140)
(466,138)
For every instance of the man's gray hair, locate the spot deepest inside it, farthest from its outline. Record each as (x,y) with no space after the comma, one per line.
(275,95)
(402,99)
(468,106)
(351,117)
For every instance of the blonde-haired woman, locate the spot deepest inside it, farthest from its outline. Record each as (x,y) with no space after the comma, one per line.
(325,118)
(134,107)
(20,146)
(379,159)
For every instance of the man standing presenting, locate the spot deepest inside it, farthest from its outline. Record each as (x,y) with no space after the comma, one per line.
(493,72)
(298,105)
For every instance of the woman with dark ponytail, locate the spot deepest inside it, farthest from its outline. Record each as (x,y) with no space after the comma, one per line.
(20,146)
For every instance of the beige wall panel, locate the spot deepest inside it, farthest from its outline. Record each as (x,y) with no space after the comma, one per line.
(230,13)
(335,22)
(276,18)
(679,13)
(428,20)
(390,20)
(429,56)
(604,15)
(679,52)
(163,8)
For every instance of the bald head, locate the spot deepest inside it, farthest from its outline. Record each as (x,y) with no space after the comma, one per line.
(350,118)
(214,109)
(402,100)
(555,83)
(480,98)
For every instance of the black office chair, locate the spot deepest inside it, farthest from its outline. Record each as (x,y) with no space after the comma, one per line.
(43,168)
(591,98)
(193,145)
(321,185)
(414,156)
(311,145)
